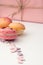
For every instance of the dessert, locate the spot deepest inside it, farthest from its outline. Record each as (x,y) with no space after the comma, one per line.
(4,22)
(7,34)
(19,27)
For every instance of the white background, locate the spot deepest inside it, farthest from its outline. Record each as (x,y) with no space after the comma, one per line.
(31,44)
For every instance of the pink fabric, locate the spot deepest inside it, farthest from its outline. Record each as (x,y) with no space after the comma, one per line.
(29,14)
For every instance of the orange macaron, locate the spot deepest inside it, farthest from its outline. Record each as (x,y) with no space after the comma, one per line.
(4,22)
(19,27)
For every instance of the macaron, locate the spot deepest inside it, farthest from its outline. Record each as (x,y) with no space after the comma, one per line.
(4,22)
(19,27)
(7,34)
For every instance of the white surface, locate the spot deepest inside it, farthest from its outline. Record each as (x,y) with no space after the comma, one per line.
(31,44)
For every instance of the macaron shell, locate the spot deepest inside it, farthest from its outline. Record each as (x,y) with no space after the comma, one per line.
(4,22)
(17,26)
(20,32)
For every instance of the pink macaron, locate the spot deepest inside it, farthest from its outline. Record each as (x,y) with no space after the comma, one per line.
(8,34)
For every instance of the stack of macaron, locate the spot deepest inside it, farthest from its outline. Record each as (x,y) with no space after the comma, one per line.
(10,30)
